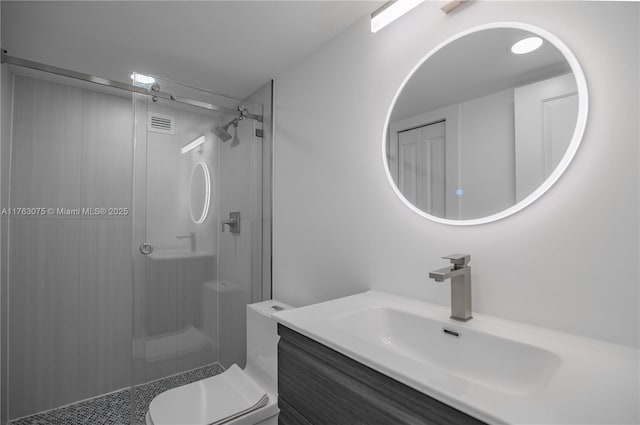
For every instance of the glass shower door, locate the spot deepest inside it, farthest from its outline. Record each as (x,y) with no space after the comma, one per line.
(198,235)
(66,258)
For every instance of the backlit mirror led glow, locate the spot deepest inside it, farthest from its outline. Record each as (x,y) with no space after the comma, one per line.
(199,197)
(433,121)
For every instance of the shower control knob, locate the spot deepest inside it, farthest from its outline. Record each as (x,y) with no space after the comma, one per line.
(233,222)
(146,248)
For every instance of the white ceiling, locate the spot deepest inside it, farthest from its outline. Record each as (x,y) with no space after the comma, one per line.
(230,47)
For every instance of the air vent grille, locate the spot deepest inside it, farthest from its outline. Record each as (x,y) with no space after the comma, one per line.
(159,123)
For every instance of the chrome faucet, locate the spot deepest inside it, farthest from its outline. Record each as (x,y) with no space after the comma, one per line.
(192,236)
(460,275)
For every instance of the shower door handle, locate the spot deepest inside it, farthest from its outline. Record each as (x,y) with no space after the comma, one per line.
(146,248)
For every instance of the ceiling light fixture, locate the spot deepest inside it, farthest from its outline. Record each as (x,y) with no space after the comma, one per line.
(390,11)
(526,45)
(191,146)
(142,80)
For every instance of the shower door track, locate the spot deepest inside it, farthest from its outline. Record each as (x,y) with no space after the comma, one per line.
(12,60)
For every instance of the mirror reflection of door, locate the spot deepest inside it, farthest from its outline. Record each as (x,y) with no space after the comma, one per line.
(422,167)
(545,113)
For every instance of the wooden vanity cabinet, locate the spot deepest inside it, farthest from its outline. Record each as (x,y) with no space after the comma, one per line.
(319,386)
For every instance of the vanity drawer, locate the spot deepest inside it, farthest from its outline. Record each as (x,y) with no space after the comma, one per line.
(328,388)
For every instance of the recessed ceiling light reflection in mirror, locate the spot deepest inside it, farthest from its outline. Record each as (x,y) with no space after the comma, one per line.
(526,45)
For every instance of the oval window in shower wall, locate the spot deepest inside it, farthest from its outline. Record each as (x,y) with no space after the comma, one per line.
(199,192)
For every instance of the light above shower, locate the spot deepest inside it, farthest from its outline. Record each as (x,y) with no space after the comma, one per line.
(192,145)
(142,80)
(390,11)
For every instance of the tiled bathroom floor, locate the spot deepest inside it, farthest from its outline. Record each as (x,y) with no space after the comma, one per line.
(115,408)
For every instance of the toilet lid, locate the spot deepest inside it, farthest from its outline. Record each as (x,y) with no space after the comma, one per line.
(212,401)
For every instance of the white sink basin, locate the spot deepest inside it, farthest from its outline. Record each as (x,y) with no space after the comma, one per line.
(489,360)
(495,370)
(177,254)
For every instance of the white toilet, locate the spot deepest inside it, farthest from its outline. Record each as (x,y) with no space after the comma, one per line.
(236,396)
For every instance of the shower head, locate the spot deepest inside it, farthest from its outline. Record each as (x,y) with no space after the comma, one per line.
(223,132)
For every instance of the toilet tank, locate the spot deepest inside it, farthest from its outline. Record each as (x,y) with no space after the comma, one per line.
(262,343)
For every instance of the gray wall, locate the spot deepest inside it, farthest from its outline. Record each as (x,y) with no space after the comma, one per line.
(5,137)
(3,282)
(340,229)
(69,276)
(5,155)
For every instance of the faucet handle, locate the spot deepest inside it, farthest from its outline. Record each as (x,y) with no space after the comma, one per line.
(458,259)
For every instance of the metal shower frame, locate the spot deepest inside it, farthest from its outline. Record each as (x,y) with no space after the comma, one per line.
(153,91)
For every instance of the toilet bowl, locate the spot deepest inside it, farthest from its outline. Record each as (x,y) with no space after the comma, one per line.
(237,396)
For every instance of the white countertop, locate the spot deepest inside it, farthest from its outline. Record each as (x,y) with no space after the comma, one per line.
(594,382)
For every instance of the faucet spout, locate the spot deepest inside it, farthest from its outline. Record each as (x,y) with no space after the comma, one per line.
(460,275)
(445,273)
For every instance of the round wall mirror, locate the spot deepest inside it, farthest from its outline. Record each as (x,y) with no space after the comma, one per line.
(199,192)
(485,124)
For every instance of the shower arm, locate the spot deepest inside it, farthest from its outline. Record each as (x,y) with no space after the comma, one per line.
(12,60)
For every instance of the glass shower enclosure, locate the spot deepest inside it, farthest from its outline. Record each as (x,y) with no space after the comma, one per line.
(135,230)
(199,201)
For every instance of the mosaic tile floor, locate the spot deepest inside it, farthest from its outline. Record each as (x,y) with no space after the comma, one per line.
(115,408)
